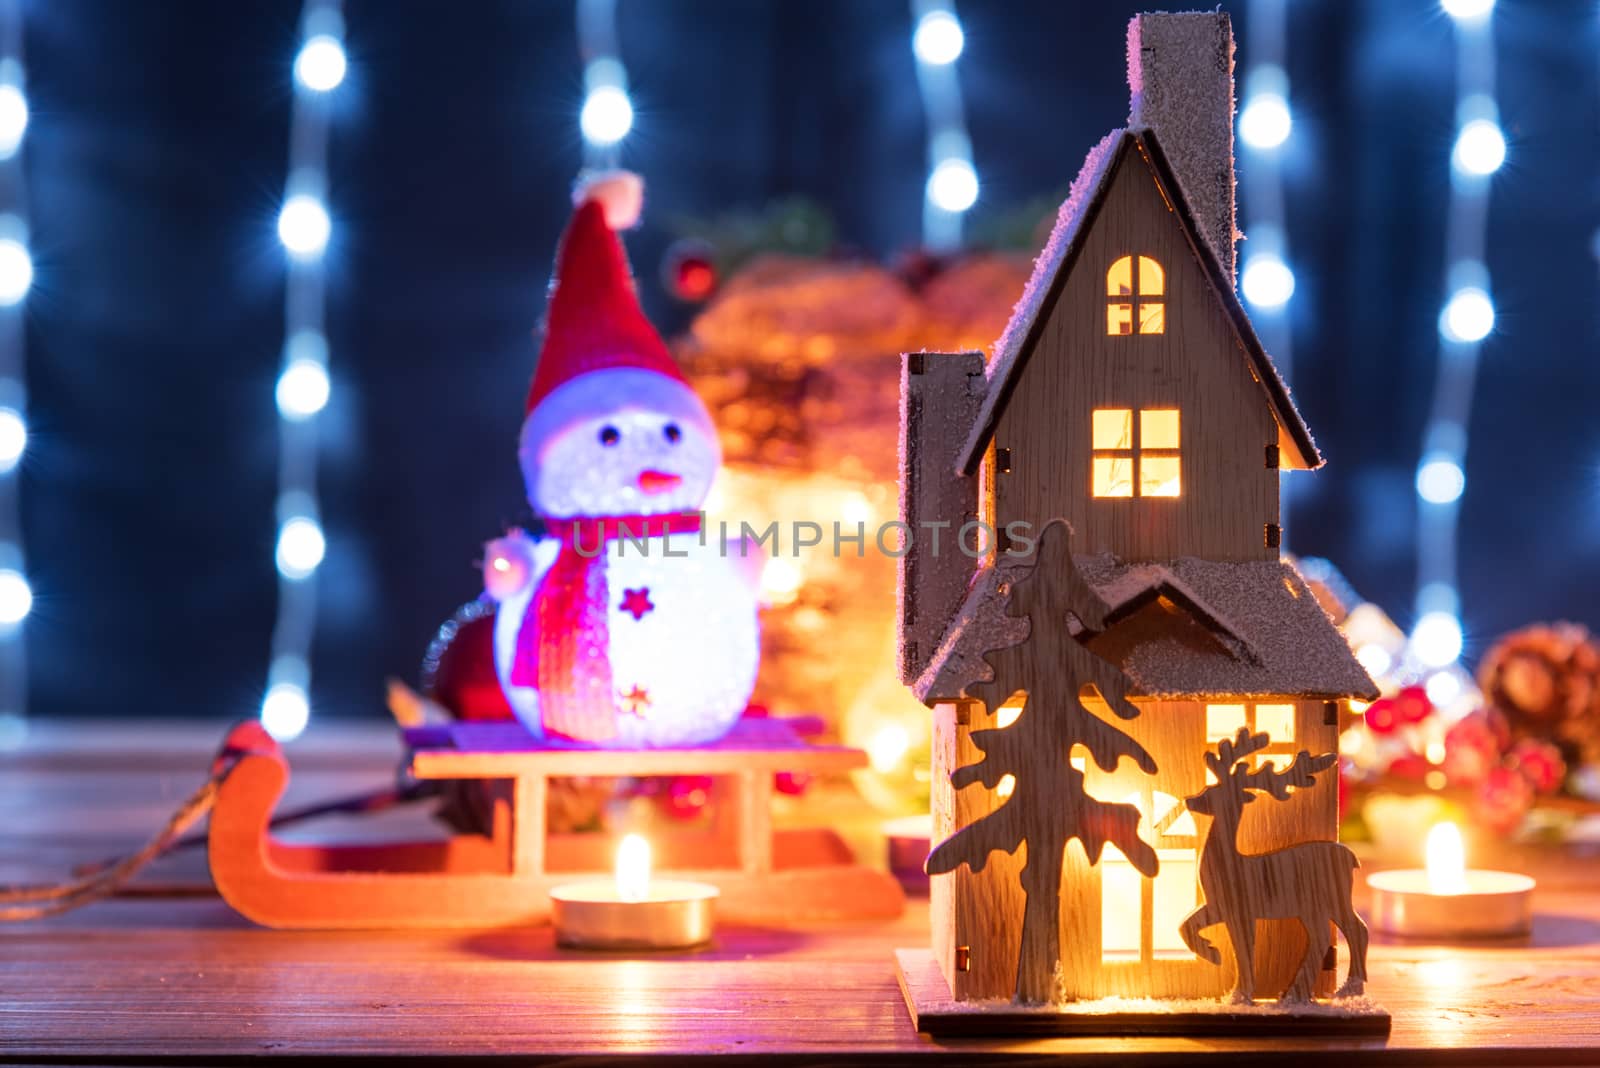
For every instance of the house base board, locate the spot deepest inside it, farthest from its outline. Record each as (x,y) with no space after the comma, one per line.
(935,1012)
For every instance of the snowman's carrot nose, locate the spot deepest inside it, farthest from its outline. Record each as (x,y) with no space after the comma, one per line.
(658,481)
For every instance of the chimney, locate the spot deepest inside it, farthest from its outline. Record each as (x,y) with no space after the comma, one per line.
(1180,74)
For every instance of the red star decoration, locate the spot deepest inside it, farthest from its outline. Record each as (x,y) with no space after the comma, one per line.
(636,702)
(637,602)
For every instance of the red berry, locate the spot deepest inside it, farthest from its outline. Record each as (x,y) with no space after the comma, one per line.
(1471,751)
(1540,763)
(1382,716)
(793,783)
(1502,800)
(688,796)
(1412,704)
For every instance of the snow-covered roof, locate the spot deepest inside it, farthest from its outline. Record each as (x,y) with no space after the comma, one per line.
(1207,628)
(1183,630)
(1055,262)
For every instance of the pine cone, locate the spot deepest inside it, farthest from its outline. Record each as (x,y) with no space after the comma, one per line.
(1545,679)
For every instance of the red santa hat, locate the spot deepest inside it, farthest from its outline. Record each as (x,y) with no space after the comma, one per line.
(600,353)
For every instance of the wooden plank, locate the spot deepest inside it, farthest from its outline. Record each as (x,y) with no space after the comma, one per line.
(494,751)
(935,1011)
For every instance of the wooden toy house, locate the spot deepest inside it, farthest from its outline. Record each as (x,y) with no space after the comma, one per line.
(1130,397)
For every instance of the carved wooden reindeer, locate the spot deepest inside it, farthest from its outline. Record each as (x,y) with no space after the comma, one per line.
(1310,882)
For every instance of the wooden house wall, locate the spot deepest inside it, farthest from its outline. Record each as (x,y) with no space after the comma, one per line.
(1197,365)
(980,913)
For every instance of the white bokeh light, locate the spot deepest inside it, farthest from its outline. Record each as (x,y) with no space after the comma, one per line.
(16,597)
(1436,639)
(285,711)
(16,271)
(320,65)
(301,546)
(303,389)
(1267,281)
(1467,9)
(953,185)
(13,438)
(1480,148)
(607,115)
(1440,480)
(1443,687)
(1265,121)
(1468,316)
(304,226)
(13,119)
(1375,658)
(938,38)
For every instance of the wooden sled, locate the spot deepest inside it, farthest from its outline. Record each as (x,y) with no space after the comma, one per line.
(767,877)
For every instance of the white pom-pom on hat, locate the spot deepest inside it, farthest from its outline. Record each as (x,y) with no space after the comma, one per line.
(619,193)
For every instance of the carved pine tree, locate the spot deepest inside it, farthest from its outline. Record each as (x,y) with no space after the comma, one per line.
(1048,806)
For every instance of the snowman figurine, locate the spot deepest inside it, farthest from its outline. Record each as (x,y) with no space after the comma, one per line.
(625,625)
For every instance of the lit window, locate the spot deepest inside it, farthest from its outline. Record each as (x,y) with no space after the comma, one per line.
(1130,292)
(1131,453)
(1275,720)
(1140,918)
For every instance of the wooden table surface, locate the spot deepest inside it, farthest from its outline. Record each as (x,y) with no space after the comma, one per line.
(178,978)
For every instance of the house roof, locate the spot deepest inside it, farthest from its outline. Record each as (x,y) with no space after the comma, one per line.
(1205,628)
(1054,265)
(1184,630)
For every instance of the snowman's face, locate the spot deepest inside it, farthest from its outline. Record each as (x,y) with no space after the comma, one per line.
(626,462)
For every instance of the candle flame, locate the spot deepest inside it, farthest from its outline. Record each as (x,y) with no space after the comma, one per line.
(1447,860)
(633,868)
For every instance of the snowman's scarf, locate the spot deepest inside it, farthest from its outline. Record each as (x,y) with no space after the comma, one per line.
(563,642)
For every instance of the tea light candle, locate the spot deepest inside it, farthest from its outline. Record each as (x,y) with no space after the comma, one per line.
(633,911)
(1448,900)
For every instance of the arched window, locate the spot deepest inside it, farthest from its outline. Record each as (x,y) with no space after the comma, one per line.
(1131,292)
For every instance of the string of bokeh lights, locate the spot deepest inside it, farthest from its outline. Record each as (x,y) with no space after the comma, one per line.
(1466,319)
(607,113)
(303,388)
(16,279)
(937,41)
(1265,123)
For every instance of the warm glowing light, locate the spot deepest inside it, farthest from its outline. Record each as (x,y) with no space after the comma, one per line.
(301,546)
(1276,721)
(16,269)
(633,868)
(1267,281)
(781,580)
(13,439)
(1480,148)
(856,509)
(1467,10)
(1436,640)
(1469,315)
(1005,787)
(1265,121)
(1159,476)
(887,748)
(1008,713)
(304,226)
(1358,706)
(321,64)
(13,119)
(1440,480)
(303,390)
(285,711)
(938,38)
(16,598)
(953,185)
(1447,860)
(1111,428)
(607,115)
(1376,659)
(1435,751)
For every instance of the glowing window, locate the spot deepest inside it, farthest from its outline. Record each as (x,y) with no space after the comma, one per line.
(1130,291)
(1135,457)
(1139,917)
(1276,720)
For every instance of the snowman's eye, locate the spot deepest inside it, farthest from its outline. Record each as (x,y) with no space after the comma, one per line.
(673,434)
(610,435)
